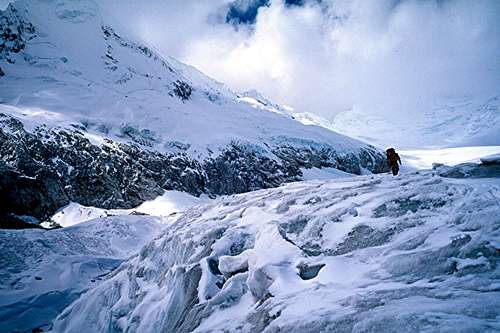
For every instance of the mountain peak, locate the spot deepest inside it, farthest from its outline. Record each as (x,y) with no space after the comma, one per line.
(111,113)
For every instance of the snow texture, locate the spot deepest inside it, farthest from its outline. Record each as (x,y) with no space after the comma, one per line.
(123,90)
(367,254)
(42,272)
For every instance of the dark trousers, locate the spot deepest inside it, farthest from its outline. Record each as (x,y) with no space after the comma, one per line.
(395,169)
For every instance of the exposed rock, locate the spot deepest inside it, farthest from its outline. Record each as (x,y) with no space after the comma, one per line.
(51,167)
(183,90)
(15,31)
(470,170)
(54,166)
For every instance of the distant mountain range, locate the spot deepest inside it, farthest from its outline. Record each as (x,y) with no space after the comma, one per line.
(449,123)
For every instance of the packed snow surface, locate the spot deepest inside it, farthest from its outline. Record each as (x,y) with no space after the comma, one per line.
(410,253)
(323,173)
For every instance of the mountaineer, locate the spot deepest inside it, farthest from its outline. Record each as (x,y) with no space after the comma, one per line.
(392,160)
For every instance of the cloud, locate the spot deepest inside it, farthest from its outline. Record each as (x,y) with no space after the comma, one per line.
(330,55)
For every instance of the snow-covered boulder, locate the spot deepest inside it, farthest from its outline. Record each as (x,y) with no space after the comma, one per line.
(469,170)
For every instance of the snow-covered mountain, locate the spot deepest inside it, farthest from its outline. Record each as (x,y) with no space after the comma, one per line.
(143,161)
(89,115)
(418,253)
(449,123)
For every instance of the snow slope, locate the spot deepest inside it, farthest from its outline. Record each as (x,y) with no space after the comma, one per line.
(448,123)
(88,115)
(418,253)
(42,272)
(425,158)
(76,68)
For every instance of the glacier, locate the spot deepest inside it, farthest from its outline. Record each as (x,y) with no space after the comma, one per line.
(445,123)
(174,204)
(43,271)
(417,252)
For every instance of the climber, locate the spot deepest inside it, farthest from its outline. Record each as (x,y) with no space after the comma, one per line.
(392,160)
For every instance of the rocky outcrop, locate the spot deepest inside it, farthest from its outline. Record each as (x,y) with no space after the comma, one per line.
(14,32)
(487,169)
(182,90)
(43,170)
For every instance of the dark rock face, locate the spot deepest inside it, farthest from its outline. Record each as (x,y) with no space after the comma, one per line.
(239,170)
(14,32)
(43,170)
(469,170)
(182,90)
(327,157)
(52,167)
(46,169)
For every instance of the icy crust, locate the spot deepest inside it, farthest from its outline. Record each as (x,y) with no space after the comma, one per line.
(372,253)
(42,272)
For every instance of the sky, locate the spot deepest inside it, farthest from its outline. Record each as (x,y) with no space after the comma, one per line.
(328,56)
